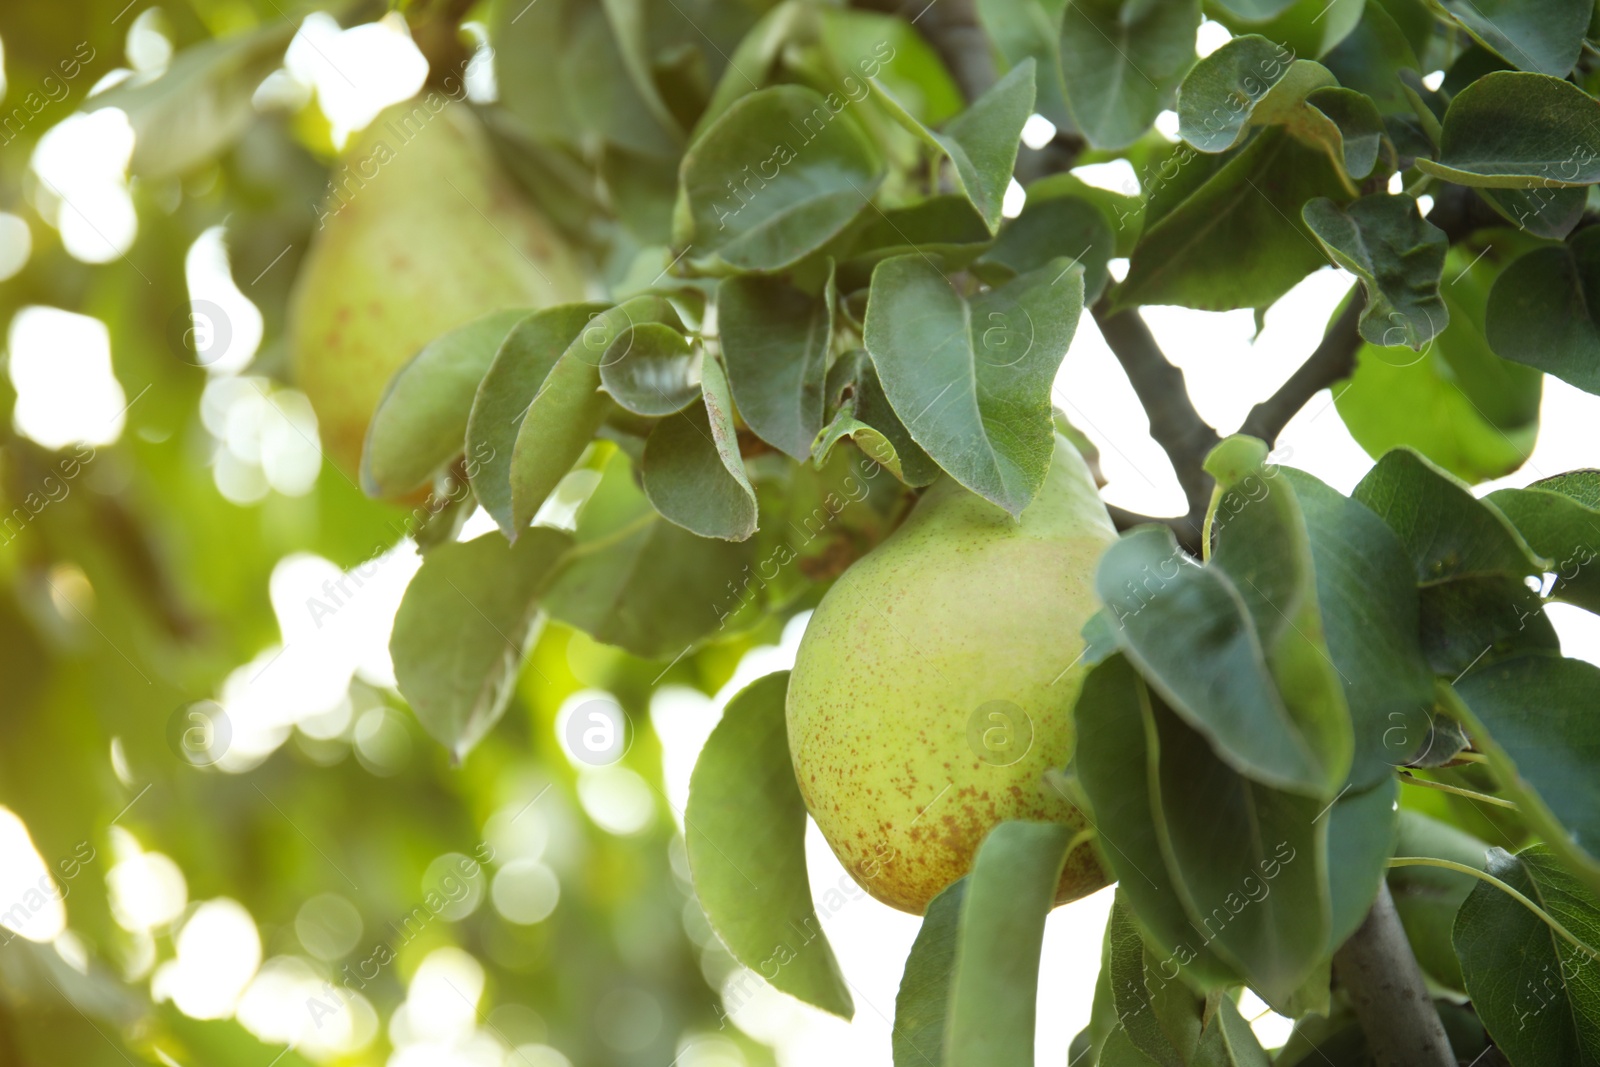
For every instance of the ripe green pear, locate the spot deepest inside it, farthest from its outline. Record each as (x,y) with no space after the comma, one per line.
(935,683)
(420,233)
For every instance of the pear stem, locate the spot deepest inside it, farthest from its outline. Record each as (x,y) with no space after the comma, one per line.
(1380,974)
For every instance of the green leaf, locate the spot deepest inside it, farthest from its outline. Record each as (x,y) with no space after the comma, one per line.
(1369,60)
(649,369)
(745,830)
(638,581)
(1447,532)
(1307,28)
(1459,404)
(994,986)
(1236,241)
(1513,130)
(891,48)
(1249,861)
(1356,120)
(775,339)
(1158,1020)
(1544,36)
(971,378)
(421,421)
(692,470)
(1548,213)
(946,228)
(568,408)
(1112,763)
(200,104)
(1539,311)
(1051,227)
(1190,633)
(1121,61)
(1250,81)
(1534,990)
(1561,527)
(521,365)
(1477,621)
(981,143)
(1399,257)
(1361,837)
(1537,716)
(1031,29)
(866,418)
(1427,898)
(1260,543)
(1369,608)
(804,172)
(921,1007)
(463,628)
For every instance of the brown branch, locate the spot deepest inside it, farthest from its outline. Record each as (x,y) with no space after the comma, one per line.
(1174,423)
(1380,975)
(1334,359)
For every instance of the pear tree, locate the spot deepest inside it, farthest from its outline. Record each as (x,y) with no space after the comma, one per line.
(734,312)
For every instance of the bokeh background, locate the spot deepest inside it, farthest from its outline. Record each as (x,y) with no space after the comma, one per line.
(223,837)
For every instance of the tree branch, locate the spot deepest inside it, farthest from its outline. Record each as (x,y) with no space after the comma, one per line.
(1334,359)
(1380,975)
(1174,423)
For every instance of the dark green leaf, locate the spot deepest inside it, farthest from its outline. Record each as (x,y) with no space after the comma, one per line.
(1307,28)
(1537,716)
(1427,898)
(1359,125)
(981,143)
(1249,862)
(1447,532)
(922,1005)
(521,365)
(1397,254)
(638,581)
(649,369)
(866,418)
(1534,990)
(804,172)
(947,228)
(775,339)
(994,987)
(1112,763)
(1122,61)
(463,627)
(1514,130)
(1542,310)
(568,407)
(971,378)
(1550,213)
(692,471)
(421,422)
(1479,620)
(1369,615)
(1250,81)
(1459,404)
(1051,227)
(745,829)
(1370,59)
(1561,528)
(1236,241)
(1190,633)
(1538,35)
(1260,544)
(1031,29)
(1361,837)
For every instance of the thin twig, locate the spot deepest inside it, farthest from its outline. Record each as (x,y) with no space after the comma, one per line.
(1334,359)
